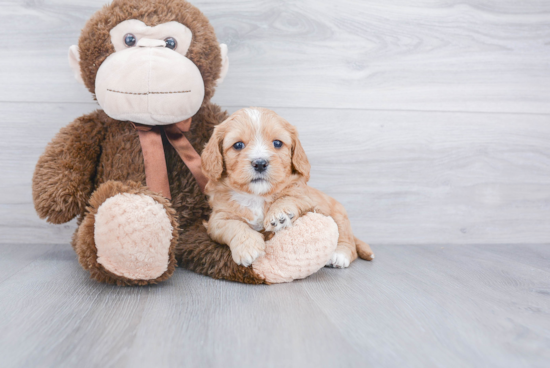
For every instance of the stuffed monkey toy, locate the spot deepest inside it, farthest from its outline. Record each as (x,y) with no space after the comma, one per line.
(130,172)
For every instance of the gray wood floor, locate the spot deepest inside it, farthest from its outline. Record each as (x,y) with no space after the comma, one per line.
(416,306)
(428,120)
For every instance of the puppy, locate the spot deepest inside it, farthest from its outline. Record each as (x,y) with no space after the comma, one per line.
(258,174)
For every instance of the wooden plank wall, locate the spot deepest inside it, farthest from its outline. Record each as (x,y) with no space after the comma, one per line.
(429,120)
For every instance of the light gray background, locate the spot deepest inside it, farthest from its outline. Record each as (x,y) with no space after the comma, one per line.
(428,120)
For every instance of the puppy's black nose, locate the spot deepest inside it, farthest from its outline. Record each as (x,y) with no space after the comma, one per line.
(260,165)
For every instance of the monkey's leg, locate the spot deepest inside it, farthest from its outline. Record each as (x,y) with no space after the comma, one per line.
(128,235)
(293,253)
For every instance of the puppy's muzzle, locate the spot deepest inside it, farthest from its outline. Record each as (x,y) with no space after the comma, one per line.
(260,165)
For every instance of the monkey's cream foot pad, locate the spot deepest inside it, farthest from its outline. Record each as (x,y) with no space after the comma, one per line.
(132,236)
(299,251)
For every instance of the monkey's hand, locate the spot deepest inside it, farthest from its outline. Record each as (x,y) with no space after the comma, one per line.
(62,181)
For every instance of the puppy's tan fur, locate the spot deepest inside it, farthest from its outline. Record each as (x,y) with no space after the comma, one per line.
(245,203)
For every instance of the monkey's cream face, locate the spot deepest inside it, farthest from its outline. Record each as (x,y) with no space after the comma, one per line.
(257,151)
(149,79)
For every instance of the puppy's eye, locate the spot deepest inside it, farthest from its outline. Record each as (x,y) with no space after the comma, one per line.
(238,146)
(277,144)
(129,39)
(171,43)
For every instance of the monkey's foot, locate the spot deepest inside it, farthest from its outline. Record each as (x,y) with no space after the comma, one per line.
(132,236)
(298,251)
(133,232)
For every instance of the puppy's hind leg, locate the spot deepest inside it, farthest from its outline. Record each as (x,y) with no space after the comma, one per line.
(346,251)
(341,258)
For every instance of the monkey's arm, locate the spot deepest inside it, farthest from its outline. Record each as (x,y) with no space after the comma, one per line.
(63,177)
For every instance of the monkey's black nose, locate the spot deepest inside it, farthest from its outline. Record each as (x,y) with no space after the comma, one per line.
(260,165)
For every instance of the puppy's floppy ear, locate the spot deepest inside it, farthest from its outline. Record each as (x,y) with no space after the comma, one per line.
(300,163)
(211,157)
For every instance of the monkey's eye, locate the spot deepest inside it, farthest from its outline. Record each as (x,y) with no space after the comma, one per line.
(238,146)
(129,40)
(277,144)
(171,43)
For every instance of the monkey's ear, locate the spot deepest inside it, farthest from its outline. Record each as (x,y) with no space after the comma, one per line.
(225,64)
(74,62)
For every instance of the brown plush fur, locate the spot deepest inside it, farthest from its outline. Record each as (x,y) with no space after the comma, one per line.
(96,157)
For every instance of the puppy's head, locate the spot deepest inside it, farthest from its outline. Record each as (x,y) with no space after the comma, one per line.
(255,151)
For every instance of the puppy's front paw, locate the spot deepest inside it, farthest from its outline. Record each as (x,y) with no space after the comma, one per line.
(247,249)
(279,219)
(339,259)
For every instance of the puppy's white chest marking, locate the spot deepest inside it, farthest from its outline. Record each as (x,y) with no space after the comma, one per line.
(255,204)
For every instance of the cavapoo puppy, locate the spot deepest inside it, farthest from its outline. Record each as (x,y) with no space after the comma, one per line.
(258,174)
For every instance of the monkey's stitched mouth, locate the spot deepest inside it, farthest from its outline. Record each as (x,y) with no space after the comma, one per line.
(147,93)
